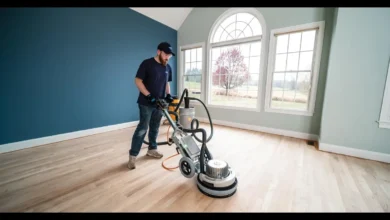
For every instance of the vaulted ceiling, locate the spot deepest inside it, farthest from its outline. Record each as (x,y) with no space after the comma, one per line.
(172,17)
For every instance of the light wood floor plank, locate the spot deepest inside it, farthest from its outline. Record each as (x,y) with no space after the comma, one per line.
(275,174)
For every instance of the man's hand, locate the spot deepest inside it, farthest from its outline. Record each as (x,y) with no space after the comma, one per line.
(169,98)
(151,99)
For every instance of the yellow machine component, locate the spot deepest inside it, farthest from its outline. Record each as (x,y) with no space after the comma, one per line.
(172,107)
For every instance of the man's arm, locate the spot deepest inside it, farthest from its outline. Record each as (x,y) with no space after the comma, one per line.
(140,76)
(141,87)
(168,89)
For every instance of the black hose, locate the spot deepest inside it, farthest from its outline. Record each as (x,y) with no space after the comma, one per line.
(197,122)
(158,143)
(185,92)
(204,150)
(193,130)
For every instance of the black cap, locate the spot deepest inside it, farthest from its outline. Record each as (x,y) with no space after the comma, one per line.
(166,47)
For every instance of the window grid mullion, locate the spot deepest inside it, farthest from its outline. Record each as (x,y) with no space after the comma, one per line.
(296,75)
(285,68)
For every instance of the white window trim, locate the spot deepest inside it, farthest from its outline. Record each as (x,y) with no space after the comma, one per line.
(384,120)
(180,84)
(316,67)
(264,48)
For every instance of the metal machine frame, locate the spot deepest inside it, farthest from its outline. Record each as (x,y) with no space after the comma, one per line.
(215,177)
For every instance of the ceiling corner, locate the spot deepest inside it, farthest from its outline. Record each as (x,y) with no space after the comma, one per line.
(171,17)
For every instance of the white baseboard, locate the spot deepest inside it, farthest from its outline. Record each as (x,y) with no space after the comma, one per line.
(364,154)
(354,152)
(282,132)
(62,137)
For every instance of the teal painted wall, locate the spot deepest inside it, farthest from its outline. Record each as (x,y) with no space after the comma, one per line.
(70,69)
(358,63)
(196,28)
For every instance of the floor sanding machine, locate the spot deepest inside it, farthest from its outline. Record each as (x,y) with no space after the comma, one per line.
(215,178)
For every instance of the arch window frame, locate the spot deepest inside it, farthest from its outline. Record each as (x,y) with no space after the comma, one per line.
(262,38)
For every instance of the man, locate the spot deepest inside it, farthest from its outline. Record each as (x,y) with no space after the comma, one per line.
(152,80)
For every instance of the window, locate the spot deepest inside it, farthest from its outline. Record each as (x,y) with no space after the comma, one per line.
(192,70)
(294,61)
(235,59)
(384,120)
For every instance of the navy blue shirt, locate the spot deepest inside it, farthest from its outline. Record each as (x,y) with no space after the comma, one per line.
(155,77)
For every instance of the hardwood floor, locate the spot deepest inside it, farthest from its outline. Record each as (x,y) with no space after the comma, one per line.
(275,174)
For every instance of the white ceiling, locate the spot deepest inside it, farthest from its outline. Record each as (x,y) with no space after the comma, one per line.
(172,17)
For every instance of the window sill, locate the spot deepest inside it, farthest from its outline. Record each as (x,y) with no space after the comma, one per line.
(233,108)
(290,112)
(384,124)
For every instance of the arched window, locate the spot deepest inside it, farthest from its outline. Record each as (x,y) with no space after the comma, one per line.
(235,59)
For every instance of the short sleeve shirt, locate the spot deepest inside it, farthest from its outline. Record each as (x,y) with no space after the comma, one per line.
(155,77)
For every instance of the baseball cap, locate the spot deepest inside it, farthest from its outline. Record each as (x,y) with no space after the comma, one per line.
(166,47)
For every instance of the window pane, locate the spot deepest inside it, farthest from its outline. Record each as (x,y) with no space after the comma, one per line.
(244,17)
(281,44)
(254,80)
(194,86)
(229,21)
(215,53)
(255,49)
(256,27)
(294,42)
(199,67)
(188,56)
(241,34)
(303,82)
(277,89)
(248,32)
(193,66)
(232,83)
(187,83)
(278,81)
(254,64)
(302,90)
(213,66)
(240,26)
(292,61)
(246,62)
(187,69)
(245,49)
(287,94)
(193,55)
(280,62)
(217,34)
(230,36)
(305,60)
(237,33)
(308,38)
(199,54)
(231,28)
(224,36)
(290,83)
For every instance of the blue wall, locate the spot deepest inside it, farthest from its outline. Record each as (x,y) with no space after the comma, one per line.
(70,69)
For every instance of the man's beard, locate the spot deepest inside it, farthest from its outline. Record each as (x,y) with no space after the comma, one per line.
(162,61)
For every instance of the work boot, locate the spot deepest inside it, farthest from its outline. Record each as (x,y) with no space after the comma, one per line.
(154,153)
(131,163)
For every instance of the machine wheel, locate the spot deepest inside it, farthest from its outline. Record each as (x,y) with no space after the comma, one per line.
(187,167)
